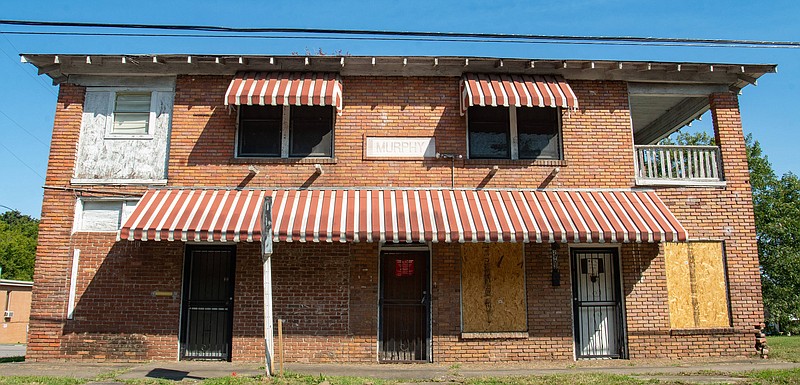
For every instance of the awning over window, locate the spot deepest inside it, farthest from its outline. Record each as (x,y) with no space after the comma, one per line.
(436,215)
(285,88)
(515,90)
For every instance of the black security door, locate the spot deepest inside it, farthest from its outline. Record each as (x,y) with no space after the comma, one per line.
(404,306)
(208,303)
(597,302)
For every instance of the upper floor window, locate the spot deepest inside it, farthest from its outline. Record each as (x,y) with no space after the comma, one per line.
(132,114)
(514,133)
(285,131)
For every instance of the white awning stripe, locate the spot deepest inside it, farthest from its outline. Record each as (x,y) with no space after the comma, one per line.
(404,216)
(504,90)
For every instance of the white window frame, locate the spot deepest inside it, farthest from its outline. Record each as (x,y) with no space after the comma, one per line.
(514,136)
(112,101)
(77,223)
(285,123)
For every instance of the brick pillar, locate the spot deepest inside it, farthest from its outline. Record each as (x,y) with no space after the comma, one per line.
(740,238)
(53,260)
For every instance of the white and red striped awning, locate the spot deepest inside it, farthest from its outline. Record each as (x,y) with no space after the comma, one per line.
(285,88)
(515,90)
(395,215)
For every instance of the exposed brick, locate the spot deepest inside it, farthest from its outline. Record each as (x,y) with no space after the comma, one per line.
(327,293)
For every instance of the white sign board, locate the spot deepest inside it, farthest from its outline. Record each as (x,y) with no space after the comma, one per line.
(386,147)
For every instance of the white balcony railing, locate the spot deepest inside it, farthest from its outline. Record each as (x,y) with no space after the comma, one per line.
(678,165)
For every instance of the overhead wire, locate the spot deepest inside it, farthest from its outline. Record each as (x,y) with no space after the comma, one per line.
(19,65)
(346,34)
(417,39)
(21,161)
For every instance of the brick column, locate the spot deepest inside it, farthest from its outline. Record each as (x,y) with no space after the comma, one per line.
(740,238)
(53,260)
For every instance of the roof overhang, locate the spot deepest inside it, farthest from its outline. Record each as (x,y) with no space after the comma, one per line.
(61,67)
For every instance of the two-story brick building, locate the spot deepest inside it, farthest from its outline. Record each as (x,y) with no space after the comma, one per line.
(422,209)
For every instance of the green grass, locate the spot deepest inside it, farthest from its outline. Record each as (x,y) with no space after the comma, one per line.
(12,359)
(784,348)
(579,379)
(773,377)
(40,380)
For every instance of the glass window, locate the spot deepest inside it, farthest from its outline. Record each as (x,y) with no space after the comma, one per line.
(131,113)
(260,131)
(489,132)
(537,128)
(310,131)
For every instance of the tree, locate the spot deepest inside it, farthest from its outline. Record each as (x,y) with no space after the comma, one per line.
(776,203)
(18,237)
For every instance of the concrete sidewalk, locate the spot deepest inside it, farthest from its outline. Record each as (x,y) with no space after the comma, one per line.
(12,350)
(198,370)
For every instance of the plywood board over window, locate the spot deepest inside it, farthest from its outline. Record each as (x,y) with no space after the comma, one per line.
(493,288)
(696,285)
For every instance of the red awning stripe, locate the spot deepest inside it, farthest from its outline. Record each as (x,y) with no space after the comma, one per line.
(515,90)
(285,88)
(404,216)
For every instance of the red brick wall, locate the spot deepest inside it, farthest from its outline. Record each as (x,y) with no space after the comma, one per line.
(203,135)
(328,293)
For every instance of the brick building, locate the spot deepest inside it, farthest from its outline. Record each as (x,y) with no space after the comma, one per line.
(418,209)
(16,299)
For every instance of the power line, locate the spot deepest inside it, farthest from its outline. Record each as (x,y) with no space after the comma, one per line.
(23,128)
(22,161)
(47,86)
(38,80)
(437,36)
(415,39)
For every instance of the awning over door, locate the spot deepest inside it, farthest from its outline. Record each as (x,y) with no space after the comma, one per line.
(515,90)
(285,88)
(405,216)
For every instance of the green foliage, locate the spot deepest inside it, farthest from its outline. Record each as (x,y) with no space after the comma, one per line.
(776,202)
(18,237)
(701,138)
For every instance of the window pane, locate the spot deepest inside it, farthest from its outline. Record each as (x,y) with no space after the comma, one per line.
(538,132)
(260,131)
(133,102)
(311,131)
(131,123)
(489,132)
(131,113)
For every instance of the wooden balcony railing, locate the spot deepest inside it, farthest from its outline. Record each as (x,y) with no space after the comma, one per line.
(678,165)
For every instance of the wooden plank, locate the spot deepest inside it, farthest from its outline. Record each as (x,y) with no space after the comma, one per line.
(711,289)
(493,288)
(679,292)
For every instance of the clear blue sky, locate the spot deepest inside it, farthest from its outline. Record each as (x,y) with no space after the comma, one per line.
(769,111)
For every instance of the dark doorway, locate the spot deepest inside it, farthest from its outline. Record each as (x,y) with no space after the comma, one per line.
(597,304)
(207,322)
(404,306)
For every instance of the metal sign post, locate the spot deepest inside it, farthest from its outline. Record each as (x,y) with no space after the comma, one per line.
(266,259)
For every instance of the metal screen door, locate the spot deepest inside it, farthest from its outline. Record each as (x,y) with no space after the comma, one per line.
(597,303)
(404,306)
(208,303)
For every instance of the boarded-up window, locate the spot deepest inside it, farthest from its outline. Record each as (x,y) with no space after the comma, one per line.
(103,215)
(493,288)
(696,285)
